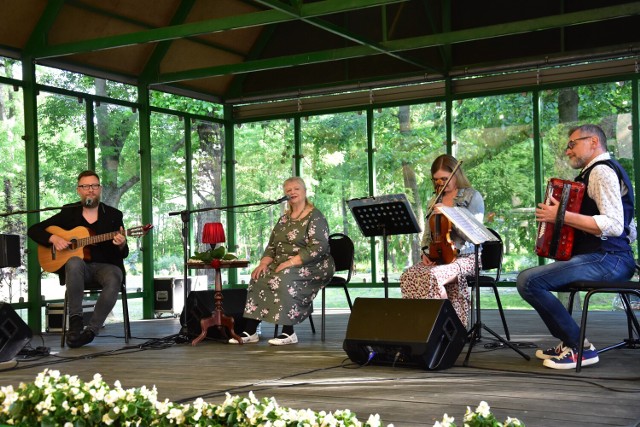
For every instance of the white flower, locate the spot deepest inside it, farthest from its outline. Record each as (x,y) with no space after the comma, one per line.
(483,409)
(447,421)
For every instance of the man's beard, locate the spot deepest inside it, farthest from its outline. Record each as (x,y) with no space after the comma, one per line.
(91,201)
(576,163)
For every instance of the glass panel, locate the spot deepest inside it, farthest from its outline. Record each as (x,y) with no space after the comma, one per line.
(264,159)
(13,281)
(184,104)
(494,141)
(208,145)
(85,84)
(168,164)
(408,139)
(10,68)
(573,106)
(334,166)
(62,156)
(118,164)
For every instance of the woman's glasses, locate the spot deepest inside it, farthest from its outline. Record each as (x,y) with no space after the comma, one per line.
(437,180)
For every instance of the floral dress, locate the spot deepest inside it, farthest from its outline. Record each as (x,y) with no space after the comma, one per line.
(285,297)
(424,282)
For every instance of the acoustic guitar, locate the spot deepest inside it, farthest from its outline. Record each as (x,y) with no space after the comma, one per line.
(52,260)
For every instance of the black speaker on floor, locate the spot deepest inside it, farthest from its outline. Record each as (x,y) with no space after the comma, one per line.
(419,332)
(14,333)
(9,250)
(201,303)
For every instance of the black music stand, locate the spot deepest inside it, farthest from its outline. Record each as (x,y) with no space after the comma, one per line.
(475,232)
(384,216)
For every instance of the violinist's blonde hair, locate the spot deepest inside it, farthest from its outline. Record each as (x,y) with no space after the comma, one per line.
(449,163)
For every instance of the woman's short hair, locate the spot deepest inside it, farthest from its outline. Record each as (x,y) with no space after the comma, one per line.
(298,180)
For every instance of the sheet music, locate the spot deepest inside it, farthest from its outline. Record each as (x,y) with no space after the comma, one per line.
(468,225)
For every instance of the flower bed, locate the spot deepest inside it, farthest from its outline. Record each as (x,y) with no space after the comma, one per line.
(62,400)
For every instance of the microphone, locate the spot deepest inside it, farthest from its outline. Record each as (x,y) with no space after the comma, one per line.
(88,202)
(282,199)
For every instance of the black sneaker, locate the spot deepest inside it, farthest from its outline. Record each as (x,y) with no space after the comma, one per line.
(76,325)
(84,338)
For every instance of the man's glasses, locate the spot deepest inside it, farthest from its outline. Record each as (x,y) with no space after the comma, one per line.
(572,142)
(85,187)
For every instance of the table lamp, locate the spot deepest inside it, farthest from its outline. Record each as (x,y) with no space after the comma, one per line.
(213,233)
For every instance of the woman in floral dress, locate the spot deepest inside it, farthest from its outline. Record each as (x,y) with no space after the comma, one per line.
(294,267)
(429,279)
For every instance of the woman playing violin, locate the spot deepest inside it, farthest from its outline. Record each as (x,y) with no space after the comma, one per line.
(438,274)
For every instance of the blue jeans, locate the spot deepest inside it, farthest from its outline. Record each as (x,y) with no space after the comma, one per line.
(536,284)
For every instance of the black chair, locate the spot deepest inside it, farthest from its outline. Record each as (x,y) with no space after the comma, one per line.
(93,288)
(491,258)
(342,251)
(624,289)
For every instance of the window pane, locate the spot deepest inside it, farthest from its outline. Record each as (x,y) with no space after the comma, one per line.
(62,156)
(208,151)
(408,139)
(118,164)
(13,281)
(334,167)
(574,106)
(264,159)
(168,163)
(494,141)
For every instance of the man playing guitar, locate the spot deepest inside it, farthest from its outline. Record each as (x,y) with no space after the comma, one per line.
(100,263)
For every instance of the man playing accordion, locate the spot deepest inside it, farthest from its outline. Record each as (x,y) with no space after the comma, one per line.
(604,229)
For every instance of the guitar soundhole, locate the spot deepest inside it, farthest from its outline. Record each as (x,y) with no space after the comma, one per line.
(74,244)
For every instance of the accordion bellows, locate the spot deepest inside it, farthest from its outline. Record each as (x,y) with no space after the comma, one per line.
(555,240)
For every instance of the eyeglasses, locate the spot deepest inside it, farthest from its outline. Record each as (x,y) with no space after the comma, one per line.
(572,142)
(443,180)
(85,187)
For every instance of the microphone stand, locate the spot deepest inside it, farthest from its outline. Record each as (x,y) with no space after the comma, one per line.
(73,205)
(184,217)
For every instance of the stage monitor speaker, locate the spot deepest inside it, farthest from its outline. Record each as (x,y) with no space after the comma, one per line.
(418,332)
(14,333)
(9,250)
(201,304)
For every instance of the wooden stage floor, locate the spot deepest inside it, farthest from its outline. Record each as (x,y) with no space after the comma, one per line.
(319,375)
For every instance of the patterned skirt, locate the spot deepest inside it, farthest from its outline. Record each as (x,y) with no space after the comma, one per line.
(428,282)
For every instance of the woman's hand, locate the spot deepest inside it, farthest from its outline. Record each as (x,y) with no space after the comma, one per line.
(287,264)
(427,261)
(260,270)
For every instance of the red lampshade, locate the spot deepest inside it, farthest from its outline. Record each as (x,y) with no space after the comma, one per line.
(213,233)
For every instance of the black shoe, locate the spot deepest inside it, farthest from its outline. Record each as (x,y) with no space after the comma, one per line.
(76,325)
(84,338)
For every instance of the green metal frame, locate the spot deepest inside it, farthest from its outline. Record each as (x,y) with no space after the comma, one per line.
(31,89)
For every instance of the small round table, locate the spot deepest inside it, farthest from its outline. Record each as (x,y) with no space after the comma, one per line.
(217,318)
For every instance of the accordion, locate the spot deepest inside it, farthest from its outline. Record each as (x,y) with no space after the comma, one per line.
(555,240)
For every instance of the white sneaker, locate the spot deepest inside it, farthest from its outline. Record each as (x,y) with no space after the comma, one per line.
(284,339)
(246,338)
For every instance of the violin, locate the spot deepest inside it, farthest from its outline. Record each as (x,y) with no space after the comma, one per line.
(442,249)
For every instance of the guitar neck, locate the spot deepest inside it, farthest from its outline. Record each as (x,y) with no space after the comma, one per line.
(96,239)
